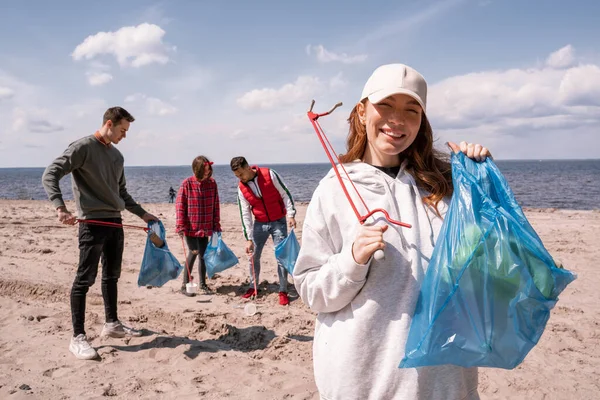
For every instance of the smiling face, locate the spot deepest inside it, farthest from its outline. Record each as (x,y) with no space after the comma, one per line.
(392,126)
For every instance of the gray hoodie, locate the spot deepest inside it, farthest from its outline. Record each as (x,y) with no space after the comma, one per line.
(365,311)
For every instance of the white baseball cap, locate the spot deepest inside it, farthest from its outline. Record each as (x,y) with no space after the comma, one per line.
(391,79)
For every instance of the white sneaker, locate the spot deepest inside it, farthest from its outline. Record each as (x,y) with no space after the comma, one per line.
(118,330)
(81,348)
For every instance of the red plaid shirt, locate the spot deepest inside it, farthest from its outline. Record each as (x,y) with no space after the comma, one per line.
(198,210)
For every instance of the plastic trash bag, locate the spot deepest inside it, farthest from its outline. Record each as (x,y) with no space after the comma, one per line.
(490,285)
(286,252)
(158,264)
(218,257)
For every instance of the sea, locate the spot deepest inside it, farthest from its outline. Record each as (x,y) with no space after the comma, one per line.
(562,184)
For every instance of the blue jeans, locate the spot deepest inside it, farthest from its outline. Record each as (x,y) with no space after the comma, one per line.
(261,232)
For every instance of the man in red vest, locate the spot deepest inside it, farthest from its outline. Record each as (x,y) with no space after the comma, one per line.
(262,194)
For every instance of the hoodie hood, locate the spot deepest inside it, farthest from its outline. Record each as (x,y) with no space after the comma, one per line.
(386,192)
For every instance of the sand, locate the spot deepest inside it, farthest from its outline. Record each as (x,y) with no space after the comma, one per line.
(205,346)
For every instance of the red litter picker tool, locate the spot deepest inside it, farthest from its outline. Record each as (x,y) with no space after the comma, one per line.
(329,150)
(154,238)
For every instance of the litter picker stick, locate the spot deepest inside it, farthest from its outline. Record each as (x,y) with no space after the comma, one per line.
(362,219)
(154,238)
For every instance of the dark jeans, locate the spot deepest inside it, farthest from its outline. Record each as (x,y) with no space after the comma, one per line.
(95,243)
(198,245)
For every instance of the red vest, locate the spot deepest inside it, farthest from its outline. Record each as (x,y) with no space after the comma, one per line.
(270,207)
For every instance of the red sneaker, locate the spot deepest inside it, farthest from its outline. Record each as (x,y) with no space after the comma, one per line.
(283,299)
(249,293)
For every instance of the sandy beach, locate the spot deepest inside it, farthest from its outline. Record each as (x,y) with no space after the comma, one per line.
(205,346)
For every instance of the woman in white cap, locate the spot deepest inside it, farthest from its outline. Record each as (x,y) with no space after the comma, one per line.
(365,304)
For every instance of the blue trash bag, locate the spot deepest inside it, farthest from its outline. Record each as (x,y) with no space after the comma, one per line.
(158,265)
(286,252)
(218,257)
(490,285)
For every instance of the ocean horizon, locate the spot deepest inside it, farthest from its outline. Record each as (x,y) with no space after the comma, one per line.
(565,184)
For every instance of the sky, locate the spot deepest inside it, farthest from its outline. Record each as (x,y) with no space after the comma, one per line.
(224,79)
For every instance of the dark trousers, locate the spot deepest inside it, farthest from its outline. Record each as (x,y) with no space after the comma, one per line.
(196,244)
(95,243)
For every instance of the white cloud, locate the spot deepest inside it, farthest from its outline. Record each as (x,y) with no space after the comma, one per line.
(517,101)
(338,81)
(561,58)
(15,88)
(152,105)
(134,46)
(19,120)
(301,90)
(159,107)
(35,121)
(326,56)
(98,78)
(580,86)
(296,124)
(134,97)
(6,93)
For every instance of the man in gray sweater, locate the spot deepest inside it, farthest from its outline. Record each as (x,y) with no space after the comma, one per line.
(98,179)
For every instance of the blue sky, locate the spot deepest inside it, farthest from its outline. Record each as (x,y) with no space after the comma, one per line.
(235,78)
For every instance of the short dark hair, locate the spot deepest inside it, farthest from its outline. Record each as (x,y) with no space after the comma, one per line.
(237,163)
(116,114)
(198,167)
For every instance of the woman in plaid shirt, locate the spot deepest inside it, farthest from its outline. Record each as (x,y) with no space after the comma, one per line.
(198,215)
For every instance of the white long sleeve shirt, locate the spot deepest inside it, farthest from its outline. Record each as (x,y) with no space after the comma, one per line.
(246,208)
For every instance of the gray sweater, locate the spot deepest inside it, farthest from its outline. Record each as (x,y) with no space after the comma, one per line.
(98,180)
